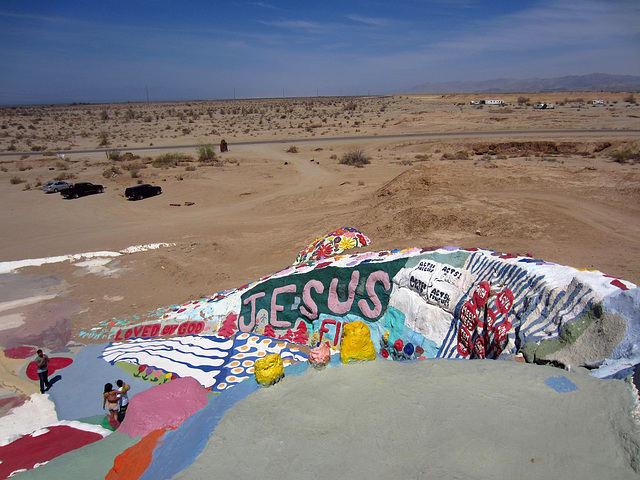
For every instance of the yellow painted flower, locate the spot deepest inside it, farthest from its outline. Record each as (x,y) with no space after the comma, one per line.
(347,243)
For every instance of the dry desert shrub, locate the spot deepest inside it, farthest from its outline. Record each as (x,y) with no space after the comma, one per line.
(111,172)
(459,155)
(15,180)
(628,155)
(168,160)
(113,155)
(134,168)
(103,136)
(64,176)
(292,149)
(24,166)
(206,153)
(355,158)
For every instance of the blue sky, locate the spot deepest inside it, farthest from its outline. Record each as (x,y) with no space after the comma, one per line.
(89,51)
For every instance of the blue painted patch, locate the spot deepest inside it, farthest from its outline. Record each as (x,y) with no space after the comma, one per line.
(560,384)
(180,447)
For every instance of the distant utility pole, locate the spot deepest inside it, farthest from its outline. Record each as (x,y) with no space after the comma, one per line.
(147,90)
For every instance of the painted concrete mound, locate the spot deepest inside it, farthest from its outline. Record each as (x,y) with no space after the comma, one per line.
(433,302)
(166,405)
(397,305)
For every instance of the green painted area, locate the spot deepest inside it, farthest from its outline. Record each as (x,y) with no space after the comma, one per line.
(289,290)
(94,420)
(569,334)
(456,259)
(105,423)
(529,351)
(155,375)
(261,295)
(90,462)
(394,323)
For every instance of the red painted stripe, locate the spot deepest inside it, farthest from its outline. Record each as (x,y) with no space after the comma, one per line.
(28,450)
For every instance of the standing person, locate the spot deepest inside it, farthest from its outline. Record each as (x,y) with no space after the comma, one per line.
(110,398)
(123,398)
(42,364)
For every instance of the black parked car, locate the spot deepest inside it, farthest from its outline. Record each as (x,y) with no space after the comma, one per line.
(142,191)
(81,189)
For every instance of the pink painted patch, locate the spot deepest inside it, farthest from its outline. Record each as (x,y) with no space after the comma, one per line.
(165,405)
(12,402)
(55,363)
(20,352)
(28,450)
(619,284)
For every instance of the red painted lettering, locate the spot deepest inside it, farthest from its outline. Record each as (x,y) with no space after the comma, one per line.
(324,329)
(481,294)
(169,329)
(118,335)
(463,341)
(504,301)
(478,347)
(468,316)
(336,338)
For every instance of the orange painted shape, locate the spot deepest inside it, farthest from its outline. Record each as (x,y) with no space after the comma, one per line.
(134,461)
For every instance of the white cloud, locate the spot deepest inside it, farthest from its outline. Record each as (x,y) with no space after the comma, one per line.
(368,20)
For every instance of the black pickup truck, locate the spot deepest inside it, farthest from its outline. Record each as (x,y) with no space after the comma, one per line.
(81,189)
(142,191)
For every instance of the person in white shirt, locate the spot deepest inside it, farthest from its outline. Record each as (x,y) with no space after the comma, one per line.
(123,398)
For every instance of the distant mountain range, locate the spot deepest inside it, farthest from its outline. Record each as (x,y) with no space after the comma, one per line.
(594,82)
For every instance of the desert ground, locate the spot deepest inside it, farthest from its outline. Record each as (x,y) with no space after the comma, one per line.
(561,184)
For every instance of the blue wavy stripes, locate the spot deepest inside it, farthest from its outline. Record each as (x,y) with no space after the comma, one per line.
(539,309)
(200,357)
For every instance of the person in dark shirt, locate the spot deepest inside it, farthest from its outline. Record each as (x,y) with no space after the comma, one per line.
(42,364)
